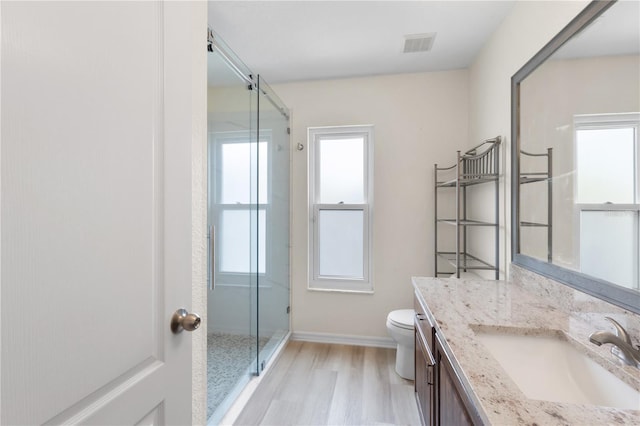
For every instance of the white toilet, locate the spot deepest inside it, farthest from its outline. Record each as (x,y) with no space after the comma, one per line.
(400,326)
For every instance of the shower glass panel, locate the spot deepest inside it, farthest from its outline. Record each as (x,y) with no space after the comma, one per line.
(273,189)
(248,218)
(234,224)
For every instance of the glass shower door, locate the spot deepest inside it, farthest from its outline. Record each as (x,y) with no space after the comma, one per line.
(248,216)
(273,185)
(233,220)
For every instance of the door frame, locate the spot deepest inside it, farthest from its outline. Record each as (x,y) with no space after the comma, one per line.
(197,40)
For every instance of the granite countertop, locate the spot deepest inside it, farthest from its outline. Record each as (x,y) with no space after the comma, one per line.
(458,306)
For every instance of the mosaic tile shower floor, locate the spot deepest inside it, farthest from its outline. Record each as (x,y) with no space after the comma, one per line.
(229,357)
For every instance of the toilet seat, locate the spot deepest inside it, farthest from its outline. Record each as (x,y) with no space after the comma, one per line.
(402,318)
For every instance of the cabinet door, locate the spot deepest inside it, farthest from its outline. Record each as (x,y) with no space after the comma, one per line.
(424,381)
(452,409)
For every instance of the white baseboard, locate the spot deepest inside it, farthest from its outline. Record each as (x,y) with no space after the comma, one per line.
(344,339)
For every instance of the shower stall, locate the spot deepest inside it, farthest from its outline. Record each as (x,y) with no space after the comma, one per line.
(248,222)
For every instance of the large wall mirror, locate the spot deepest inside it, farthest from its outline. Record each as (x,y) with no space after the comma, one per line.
(576,155)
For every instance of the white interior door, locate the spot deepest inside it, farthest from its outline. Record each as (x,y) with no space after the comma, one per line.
(96,212)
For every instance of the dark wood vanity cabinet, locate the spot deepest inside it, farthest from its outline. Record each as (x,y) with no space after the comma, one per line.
(453,403)
(425,367)
(425,380)
(440,395)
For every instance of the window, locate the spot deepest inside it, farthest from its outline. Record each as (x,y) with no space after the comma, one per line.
(607,196)
(340,205)
(240,208)
(605,156)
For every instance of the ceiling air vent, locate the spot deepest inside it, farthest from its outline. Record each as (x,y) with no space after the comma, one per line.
(418,42)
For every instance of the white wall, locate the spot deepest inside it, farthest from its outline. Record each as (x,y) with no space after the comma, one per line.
(419,119)
(529,26)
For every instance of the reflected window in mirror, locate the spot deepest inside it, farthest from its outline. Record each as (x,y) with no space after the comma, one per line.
(576,115)
(606,164)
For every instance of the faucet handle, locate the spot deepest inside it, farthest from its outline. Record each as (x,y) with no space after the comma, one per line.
(620,331)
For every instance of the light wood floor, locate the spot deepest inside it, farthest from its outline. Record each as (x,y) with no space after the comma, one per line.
(322,384)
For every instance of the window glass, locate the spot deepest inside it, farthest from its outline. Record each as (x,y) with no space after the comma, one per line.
(236,179)
(235,241)
(605,166)
(341,242)
(341,170)
(611,255)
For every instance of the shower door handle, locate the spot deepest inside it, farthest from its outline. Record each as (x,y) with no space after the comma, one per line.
(212,257)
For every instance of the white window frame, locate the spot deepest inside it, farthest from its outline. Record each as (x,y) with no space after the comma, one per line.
(605,121)
(229,278)
(338,283)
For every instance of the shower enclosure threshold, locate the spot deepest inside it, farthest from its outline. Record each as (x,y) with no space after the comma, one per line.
(231,406)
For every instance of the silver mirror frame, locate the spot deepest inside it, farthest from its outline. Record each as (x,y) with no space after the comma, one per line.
(617,295)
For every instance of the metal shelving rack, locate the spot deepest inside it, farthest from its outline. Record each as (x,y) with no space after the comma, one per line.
(541,176)
(479,165)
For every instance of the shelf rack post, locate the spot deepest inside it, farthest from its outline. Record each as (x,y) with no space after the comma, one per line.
(435,219)
(496,170)
(458,216)
(549,204)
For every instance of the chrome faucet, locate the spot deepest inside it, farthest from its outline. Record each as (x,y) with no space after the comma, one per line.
(622,346)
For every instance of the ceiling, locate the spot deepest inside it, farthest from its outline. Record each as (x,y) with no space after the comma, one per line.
(286,41)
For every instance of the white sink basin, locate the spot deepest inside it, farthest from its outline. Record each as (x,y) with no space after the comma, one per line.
(549,368)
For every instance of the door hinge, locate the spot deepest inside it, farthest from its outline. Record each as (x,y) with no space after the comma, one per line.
(288,309)
(262,366)
(288,130)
